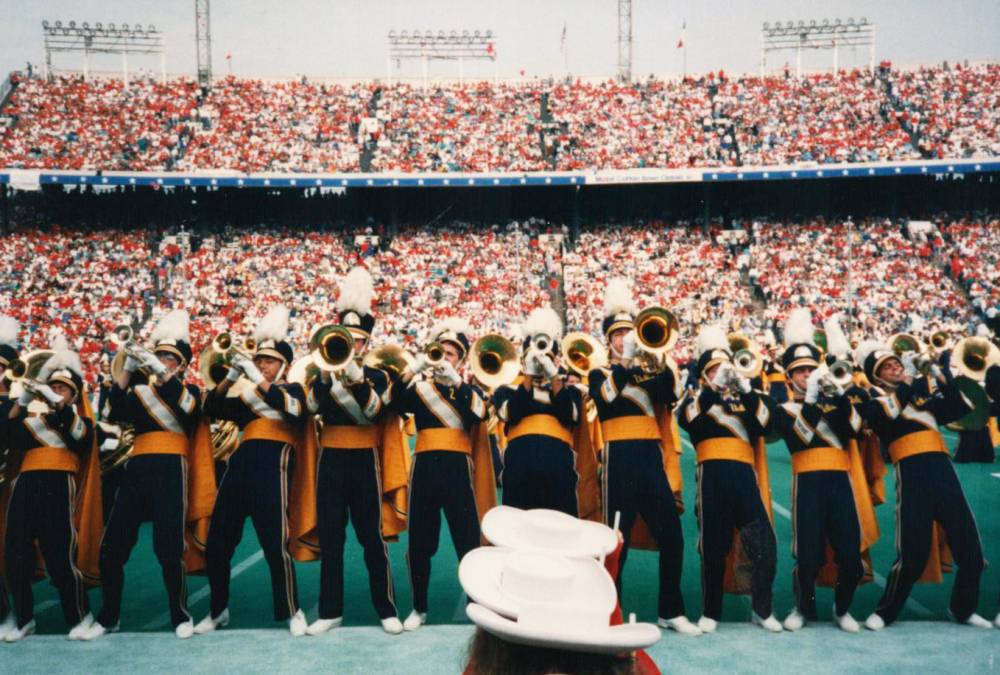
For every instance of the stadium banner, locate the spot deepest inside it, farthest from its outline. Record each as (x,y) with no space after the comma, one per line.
(232,178)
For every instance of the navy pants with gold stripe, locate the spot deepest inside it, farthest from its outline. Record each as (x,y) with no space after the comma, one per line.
(824,511)
(41,508)
(928,490)
(728,498)
(539,473)
(636,484)
(439,480)
(257,483)
(4,600)
(349,484)
(152,488)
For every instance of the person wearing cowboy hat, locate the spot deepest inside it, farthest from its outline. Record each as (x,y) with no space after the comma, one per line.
(257,480)
(150,395)
(725,419)
(540,414)
(817,426)
(10,328)
(907,418)
(349,480)
(634,479)
(445,409)
(51,448)
(544,600)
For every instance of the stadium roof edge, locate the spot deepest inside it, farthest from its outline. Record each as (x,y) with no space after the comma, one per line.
(28,179)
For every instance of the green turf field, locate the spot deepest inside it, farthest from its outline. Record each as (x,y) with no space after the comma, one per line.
(899,648)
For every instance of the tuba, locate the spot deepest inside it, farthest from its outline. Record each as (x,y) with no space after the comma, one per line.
(332,347)
(494,360)
(747,358)
(973,356)
(390,358)
(582,353)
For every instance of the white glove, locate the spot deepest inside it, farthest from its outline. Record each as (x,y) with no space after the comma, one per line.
(742,383)
(446,374)
(46,392)
(353,372)
(629,346)
(546,365)
(420,364)
(812,386)
(131,365)
(26,397)
(723,374)
(233,374)
(154,364)
(909,364)
(251,371)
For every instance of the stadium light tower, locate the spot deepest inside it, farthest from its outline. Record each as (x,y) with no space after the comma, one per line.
(102,39)
(625,40)
(451,46)
(824,35)
(203,38)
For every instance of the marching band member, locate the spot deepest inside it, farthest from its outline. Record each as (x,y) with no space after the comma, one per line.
(992,384)
(151,396)
(349,478)
(635,481)
(10,328)
(927,487)
(540,415)
(54,450)
(257,481)
(725,421)
(452,469)
(817,426)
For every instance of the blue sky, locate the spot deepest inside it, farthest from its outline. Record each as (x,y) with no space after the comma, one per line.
(346,38)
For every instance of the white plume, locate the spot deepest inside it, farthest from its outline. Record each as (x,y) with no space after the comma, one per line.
(916,324)
(274,325)
(982,330)
(710,337)
(799,327)
(618,297)
(515,331)
(453,324)
(357,291)
(836,342)
(10,328)
(175,326)
(864,350)
(62,358)
(543,321)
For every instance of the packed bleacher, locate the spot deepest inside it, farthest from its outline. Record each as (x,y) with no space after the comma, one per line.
(250,125)
(974,261)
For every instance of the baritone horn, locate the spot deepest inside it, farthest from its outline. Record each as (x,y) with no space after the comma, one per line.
(582,353)
(435,353)
(494,361)
(215,359)
(747,358)
(901,343)
(391,358)
(939,341)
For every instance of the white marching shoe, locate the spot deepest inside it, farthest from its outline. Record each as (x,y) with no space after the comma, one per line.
(769,624)
(415,620)
(874,622)
(96,630)
(681,624)
(298,625)
(10,623)
(320,626)
(79,630)
(184,630)
(19,634)
(846,623)
(392,625)
(977,621)
(210,623)
(707,625)
(794,621)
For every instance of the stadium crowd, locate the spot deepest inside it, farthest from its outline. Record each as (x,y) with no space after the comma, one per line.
(250,125)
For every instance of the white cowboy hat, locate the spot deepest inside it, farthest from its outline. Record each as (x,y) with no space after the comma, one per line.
(547,600)
(548,531)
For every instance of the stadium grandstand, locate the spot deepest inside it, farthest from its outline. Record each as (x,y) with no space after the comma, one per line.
(869,196)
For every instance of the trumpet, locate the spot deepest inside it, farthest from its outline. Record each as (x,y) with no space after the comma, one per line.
(839,376)
(494,361)
(747,358)
(582,353)
(332,347)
